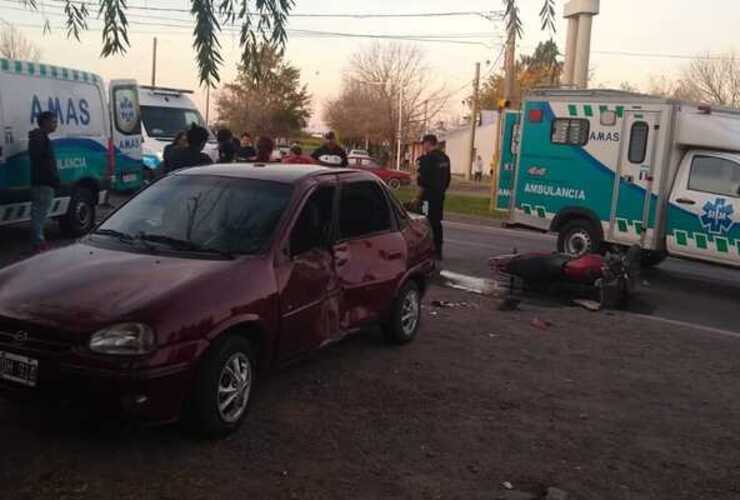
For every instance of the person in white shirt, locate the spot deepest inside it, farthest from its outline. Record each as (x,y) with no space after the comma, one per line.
(478,169)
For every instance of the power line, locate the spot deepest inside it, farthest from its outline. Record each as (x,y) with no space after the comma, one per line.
(369,15)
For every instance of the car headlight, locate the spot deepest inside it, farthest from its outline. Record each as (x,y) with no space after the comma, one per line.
(123,339)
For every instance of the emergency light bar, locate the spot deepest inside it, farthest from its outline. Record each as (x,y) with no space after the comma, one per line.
(165,90)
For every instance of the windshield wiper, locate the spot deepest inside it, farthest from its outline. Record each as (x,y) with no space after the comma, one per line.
(180,244)
(119,235)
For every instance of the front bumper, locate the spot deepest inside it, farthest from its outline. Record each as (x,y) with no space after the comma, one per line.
(149,394)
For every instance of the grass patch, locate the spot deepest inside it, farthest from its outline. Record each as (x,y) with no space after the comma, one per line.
(457,203)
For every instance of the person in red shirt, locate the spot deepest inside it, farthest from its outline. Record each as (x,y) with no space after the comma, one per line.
(296,156)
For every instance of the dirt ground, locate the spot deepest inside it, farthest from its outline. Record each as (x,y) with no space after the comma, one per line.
(599,405)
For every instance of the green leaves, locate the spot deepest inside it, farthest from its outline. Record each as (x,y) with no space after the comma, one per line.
(206,44)
(115,27)
(262,22)
(76,18)
(547,15)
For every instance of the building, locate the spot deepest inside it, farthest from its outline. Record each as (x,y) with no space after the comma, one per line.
(457,143)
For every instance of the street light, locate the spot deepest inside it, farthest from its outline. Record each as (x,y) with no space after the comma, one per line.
(400,118)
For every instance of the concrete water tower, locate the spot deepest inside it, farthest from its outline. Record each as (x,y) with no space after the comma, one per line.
(579,14)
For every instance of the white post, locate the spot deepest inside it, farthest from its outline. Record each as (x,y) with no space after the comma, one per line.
(400,124)
(570,51)
(580,71)
(580,15)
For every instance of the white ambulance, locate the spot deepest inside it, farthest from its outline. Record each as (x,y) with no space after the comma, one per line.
(603,167)
(165,112)
(97,139)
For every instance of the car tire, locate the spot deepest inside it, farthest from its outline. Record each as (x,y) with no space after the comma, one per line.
(651,258)
(405,317)
(80,216)
(394,183)
(223,388)
(579,237)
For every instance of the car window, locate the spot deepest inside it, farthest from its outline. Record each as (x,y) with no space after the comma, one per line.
(363,210)
(402,216)
(189,212)
(313,226)
(715,175)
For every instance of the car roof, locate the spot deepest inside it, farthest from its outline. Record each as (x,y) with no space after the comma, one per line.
(288,173)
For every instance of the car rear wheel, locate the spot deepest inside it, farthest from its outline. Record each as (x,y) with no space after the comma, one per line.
(394,183)
(223,387)
(80,216)
(406,316)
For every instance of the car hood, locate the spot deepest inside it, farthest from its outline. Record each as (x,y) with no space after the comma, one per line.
(81,287)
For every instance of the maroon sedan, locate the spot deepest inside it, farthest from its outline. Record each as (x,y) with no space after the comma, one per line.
(393,178)
(173,304)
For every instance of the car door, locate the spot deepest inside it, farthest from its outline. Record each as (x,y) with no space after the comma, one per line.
(703,220)
(630,214)
(507,161)
(309,289)
(126,135)
(370,254)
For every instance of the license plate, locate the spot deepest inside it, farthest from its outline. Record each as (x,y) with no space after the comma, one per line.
(129,177)
(18,369)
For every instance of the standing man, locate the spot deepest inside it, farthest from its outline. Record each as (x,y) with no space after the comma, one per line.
(433,179)
(44,176)
(330,154)
(478,169)
(191,155)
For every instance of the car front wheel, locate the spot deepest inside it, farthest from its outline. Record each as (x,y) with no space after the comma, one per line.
(406,316)
(394,183)
(223,388)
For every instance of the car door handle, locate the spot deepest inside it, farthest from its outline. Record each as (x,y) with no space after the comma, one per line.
(685,201)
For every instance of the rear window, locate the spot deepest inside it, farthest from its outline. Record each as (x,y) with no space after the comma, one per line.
(363,210)
(573,131)
(638,142)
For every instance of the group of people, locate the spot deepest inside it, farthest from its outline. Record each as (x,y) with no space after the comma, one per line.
(186,150)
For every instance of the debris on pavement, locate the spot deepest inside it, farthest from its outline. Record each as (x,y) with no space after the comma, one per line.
(507,485)
(448,304)
(590,305)
(509,304)
(556,494)
(540,323)
(480,286)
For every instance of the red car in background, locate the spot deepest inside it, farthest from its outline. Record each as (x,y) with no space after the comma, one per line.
(393,178)
(208,276)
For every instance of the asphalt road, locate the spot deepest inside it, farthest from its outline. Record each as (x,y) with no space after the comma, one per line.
(676,290)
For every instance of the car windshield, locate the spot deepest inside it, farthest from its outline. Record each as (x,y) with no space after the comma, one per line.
(164,123)
(201,213)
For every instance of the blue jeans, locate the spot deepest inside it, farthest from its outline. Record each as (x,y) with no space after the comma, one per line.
(41,198)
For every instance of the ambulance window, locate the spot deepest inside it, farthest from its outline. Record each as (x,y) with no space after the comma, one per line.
(710,174)
(572,131)
(515,139)
(638,142)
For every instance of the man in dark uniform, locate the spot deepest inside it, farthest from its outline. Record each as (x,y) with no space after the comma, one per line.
(330,154)
(192,155)
(433,179)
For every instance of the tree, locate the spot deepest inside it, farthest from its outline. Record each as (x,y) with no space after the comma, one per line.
(266,98)
(261,22)
(711,80)
(367,106)
(13,45)
(542,68)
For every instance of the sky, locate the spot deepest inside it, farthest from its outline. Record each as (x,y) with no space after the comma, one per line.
(633,41)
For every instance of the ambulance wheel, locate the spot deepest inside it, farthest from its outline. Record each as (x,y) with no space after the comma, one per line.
(579,237)
(651,258)
(80,216)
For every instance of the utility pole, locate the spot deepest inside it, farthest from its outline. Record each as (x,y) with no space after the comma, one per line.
(473,122)
(509,66)
(400,125)
(154,62)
